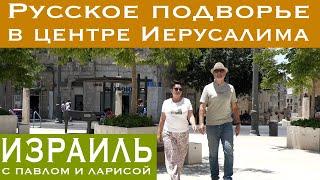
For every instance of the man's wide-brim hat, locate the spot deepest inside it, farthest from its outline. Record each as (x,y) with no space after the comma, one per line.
(219,65)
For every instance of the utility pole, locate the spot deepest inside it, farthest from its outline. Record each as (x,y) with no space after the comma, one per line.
(103,95)
(58,106)
(138,86)
(229,51)
(255,98)
(5,95)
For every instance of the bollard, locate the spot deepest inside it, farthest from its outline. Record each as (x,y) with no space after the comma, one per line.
(273,128)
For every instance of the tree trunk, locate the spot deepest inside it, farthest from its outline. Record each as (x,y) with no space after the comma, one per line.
(312,99)
(134,95)
(167,74)
(26,106)
(255,99)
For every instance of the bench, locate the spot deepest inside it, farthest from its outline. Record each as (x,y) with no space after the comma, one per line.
(160,154)
(194,154)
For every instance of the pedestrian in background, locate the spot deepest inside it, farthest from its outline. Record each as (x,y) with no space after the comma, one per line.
(68,108)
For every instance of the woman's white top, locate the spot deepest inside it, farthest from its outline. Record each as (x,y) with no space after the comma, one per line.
(176,115)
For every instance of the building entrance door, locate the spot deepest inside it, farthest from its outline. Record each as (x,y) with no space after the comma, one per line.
(125,104)
(78,99)
(34,103)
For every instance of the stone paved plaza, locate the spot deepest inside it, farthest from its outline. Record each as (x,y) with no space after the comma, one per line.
(256,157)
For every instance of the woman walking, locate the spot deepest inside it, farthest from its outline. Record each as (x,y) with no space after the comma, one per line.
(174,130)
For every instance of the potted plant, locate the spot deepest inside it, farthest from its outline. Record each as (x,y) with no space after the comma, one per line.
(126,124)
(8,122)
(304,134)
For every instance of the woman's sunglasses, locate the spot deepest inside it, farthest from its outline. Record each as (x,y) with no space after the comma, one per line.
(178,89)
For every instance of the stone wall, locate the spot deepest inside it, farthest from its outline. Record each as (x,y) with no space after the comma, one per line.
(155,99)
(91,97)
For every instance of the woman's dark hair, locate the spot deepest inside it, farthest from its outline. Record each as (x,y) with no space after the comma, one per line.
(174,82)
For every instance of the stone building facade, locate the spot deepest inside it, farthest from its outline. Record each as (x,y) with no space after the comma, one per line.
(294,104)
(269,101)
(80,84)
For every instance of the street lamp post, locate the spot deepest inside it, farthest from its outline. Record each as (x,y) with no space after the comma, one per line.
(58,106)
(229,51)
(255,99)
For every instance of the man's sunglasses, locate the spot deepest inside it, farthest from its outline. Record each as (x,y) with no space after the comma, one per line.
(177,89)
(218,70)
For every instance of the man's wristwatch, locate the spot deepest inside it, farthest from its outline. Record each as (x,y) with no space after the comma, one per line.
(238,123)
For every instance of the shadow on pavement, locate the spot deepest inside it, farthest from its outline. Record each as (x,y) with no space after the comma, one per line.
(194,170)
(204,169)
(280,148)
(266,171)
(312,152)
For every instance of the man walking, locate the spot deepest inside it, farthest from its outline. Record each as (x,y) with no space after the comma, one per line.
(68,108)
(219,98)
(63,109)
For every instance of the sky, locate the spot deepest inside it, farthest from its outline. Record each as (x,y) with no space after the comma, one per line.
(280,58)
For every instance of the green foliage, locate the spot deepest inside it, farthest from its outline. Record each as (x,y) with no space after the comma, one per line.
(272,72)
(180,58)
(238,61)
(129,121)
(126,57)
(83,55)
(4,112)
(313,123)
(302,67)
(19,66)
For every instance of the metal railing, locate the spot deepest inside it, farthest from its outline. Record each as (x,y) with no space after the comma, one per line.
(34,118)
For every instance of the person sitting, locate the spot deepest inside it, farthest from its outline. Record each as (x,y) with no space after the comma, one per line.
(141,110)
(108,113)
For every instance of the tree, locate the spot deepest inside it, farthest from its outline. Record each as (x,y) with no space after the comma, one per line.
(301,71)
(21,68)
(174,61)
(273,73)
(238,61)
(130,58)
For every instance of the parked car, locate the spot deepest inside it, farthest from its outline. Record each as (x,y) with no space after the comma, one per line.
(18,113)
